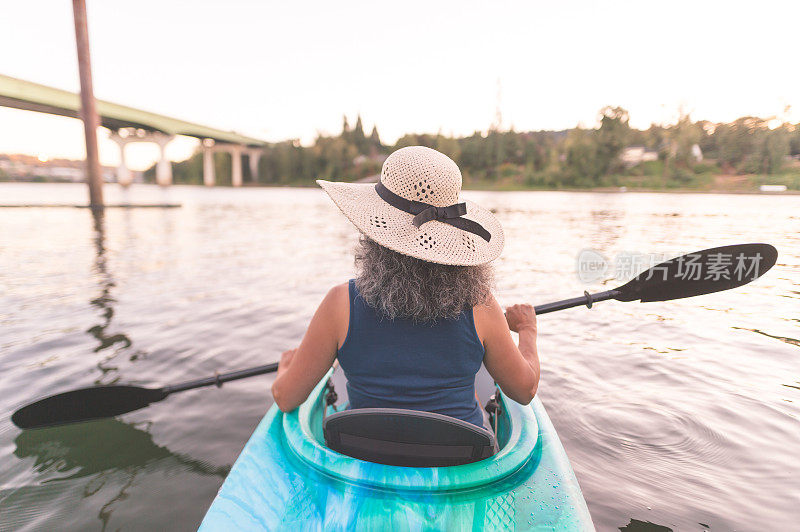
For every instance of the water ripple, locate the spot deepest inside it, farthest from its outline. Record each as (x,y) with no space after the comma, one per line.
(681,413)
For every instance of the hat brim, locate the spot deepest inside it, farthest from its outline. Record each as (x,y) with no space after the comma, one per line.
(434,241)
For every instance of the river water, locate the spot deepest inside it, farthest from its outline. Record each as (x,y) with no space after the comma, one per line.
(680,414)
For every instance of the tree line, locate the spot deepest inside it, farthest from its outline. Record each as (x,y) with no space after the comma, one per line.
(578,157)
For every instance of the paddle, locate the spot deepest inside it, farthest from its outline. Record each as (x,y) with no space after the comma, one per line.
(693,274)
(99,402)
(703,272)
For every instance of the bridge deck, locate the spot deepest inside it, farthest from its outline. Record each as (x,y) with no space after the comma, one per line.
(21,94)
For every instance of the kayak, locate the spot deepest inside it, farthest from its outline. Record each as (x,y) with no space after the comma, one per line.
(287,479)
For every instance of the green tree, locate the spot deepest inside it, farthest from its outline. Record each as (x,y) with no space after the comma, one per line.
(776,148)
(375,141)
(449,146)
(738,143)
(612,137)
(794,140)
(345,129)
(358,138)
(583,162)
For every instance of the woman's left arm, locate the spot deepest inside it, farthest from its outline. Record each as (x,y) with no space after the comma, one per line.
(302,368)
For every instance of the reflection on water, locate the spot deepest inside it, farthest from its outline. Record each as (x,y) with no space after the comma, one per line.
(98,447)
(677,415)
(790,341)
(645,526)
(109,454)
(104,303)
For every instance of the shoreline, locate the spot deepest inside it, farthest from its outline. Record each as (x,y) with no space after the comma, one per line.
(616,190)
(467,186)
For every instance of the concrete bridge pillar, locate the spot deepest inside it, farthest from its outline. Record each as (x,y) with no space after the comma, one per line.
(163,166)
(236,165)
(209,175)
(124,174)
(125,136)
(254,157)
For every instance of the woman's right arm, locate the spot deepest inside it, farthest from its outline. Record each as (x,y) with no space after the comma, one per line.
(515,369)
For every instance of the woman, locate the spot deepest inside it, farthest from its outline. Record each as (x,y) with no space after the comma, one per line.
(412,330)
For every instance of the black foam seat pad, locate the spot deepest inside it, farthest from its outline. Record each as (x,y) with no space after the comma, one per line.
(407,437)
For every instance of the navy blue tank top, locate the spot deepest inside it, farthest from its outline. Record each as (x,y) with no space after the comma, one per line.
(397,363)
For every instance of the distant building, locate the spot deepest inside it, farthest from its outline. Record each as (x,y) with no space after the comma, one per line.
(633,155)
(697,153)
(19,167)
(772,188)
(369,179)
(377,158)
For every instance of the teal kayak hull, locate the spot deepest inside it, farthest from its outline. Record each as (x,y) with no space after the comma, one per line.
(286,479)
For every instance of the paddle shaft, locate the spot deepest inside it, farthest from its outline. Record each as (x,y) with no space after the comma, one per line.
(673,279)
(586,299)
(220,378)
(217,380)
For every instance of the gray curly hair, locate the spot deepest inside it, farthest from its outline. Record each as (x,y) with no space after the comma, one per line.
(400,286)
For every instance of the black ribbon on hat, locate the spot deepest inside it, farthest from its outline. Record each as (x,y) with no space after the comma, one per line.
(424,212)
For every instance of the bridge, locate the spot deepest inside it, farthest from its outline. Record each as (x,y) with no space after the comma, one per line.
(128,125)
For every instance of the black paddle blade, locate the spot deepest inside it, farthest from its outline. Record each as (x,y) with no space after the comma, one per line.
(702,272)
(84,405)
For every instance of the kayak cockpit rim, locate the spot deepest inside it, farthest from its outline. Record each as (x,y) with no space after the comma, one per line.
(302,430)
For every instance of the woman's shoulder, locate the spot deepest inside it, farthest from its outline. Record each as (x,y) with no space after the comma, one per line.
(335,301)
(339,293)
(488,316)
(335,310)
(488,307)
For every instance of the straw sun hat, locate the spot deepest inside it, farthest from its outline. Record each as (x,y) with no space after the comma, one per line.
(414,209)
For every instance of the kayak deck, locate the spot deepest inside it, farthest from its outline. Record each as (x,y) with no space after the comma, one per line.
(286,478)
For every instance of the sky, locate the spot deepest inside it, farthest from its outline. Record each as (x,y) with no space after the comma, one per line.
(281,70)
